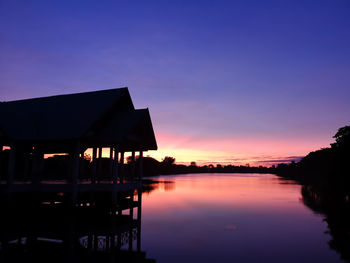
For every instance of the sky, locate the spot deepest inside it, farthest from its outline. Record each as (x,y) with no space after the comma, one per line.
(230,82)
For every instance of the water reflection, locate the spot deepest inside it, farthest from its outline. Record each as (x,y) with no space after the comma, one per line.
(232,218)
(150,185)
(187,218)
(54,232)
(334,204)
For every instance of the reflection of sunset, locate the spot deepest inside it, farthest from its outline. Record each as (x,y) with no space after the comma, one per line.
(237,192)
(233,216)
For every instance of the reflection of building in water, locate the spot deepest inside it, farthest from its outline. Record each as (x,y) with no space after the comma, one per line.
(58,193)
(153,184)
(56,232)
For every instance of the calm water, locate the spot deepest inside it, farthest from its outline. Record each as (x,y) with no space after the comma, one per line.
(232,218)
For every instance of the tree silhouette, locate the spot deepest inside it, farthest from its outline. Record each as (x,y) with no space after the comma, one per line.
(342,137)
(168,160)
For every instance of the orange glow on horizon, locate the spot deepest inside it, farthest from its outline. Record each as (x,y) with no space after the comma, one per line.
(226,150)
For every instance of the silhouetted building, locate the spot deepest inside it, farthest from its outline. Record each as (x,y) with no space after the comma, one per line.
(69,126)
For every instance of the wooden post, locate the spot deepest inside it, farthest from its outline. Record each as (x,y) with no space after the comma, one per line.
(94,165)
(95,242)
(115,166)
(89,244)
(133,170)
(1,160)
(75,171)
(139,202)
(140,165)
(130,239)
(41,167)
(122,167)
(131,218)
(111,161)
(119,240)
(11,167)
(132,205)
(25,165)
(34,166)
(82,164)
(99,164)
(115,174)
(138,241)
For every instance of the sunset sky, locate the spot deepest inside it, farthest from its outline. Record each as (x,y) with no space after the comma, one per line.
(238,82)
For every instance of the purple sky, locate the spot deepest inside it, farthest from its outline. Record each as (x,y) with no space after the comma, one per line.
(225,81)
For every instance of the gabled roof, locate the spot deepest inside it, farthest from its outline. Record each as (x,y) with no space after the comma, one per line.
(60,117)
(132,130)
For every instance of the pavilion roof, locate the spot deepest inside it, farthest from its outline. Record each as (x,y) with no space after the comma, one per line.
(106,115)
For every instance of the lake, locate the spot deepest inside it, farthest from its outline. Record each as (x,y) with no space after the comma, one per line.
(232,218)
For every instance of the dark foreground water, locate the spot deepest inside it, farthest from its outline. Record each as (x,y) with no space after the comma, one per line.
(232,218)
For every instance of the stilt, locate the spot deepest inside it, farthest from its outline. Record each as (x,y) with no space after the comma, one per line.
(122,172)
(139,201)
(11,168)
(111,173)
(132,205)
(94,165)
(99,164)
(119,240)
(82,164)
(140,165)
(36,165)
(1,161)
(115,174)
(26,165)
(130,239)
(133,170)
(75,172)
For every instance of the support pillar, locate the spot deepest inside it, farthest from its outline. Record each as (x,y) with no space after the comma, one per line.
(26,164)
(11,167)
(115,174)
(132,205)
(111,161)
(115,165)
(138,241)
(1,160)
(139,201)
(130,239)
(133,170)
(140,165)
(82,164)
(119,240)
(75,172)
(94,165)
(89,242)
(37,165)
(95,242)
(122,174)
(99,164)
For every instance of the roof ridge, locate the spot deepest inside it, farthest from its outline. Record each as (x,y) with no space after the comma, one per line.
(62,95)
